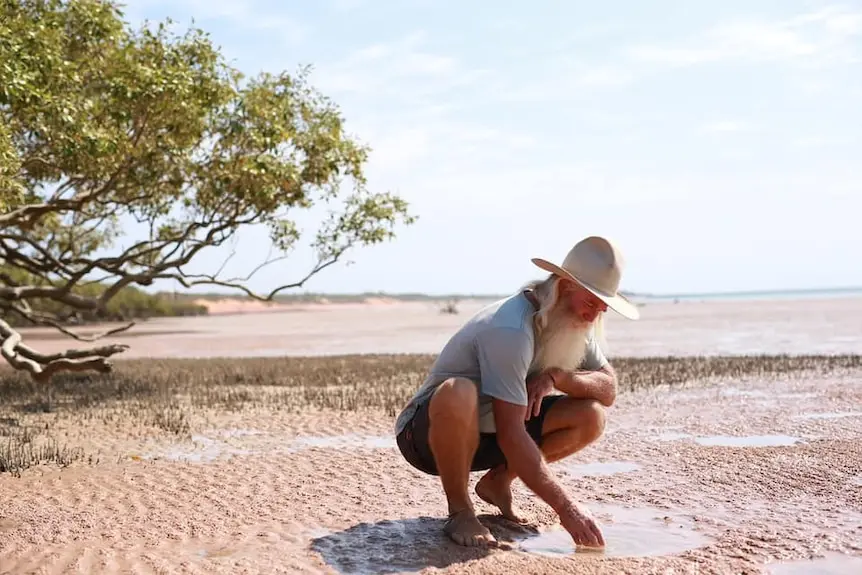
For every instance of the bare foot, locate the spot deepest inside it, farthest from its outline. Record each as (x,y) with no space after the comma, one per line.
(493,489)
(464,529)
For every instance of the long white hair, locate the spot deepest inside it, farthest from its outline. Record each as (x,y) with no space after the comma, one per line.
(559,342)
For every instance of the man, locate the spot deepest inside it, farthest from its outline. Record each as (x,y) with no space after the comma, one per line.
(522,383)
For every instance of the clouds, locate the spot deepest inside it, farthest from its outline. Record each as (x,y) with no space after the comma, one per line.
(400,68)
(822,38)
(571,117)
(248,15)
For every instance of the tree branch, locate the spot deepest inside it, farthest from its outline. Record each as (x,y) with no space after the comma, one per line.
(41,367)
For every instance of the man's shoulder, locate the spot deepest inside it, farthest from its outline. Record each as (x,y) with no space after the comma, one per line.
(511,313)
(507,335)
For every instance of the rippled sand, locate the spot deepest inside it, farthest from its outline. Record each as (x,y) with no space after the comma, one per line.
(328,493)
(753,475)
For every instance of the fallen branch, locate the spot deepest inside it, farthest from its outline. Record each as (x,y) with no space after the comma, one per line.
(43,366)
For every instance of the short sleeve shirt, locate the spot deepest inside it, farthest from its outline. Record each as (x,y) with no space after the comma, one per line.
(494,349)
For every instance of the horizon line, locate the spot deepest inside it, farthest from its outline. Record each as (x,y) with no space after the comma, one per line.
(453,295)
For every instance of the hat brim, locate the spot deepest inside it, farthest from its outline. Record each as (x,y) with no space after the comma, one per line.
(616,302)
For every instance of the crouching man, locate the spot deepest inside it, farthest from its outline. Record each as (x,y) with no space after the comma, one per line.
(522,383)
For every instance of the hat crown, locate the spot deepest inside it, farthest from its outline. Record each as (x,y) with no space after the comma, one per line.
(596,262)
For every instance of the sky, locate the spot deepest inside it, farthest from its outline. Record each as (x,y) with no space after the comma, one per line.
(717,143)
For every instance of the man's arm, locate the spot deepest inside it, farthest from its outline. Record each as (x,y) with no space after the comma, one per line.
(524,458)
(600,385)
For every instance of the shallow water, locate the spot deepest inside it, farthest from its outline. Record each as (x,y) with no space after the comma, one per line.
(767,395)
(829,415)
(831,564)
(204,448)
(748,327)
(602,468)
(201,450)
(344,441)
(671,436)
(628,532)
(748,441)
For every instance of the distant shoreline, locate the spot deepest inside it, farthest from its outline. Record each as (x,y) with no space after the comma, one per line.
(386,297)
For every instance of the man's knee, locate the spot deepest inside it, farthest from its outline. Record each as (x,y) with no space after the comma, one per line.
(454,398)
(586,415)
(594,419)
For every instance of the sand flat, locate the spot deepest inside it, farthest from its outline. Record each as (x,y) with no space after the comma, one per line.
(698,470)
(327,493)
(804,326)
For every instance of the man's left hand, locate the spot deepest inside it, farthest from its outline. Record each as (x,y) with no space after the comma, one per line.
(538,386)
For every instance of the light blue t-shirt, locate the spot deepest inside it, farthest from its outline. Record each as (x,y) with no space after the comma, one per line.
(494,349)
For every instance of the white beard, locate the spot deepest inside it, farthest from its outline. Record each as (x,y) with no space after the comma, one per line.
(561,345)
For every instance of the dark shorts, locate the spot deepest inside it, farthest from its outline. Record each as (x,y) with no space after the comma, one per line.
(413,440)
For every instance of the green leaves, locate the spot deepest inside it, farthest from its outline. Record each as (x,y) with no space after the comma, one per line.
(99,122)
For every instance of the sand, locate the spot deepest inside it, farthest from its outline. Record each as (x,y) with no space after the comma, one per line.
(812,326)
(326,492)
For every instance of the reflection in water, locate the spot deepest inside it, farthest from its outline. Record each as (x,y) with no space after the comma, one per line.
(748,441)
(831,564)
(628,532)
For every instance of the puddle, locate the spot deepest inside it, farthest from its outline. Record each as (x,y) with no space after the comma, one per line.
(343,441)
(730,440)
(734,392)
(748,441)
(202,450)
(239,432)
(829,415)
(602,468)
(628,532)
(232,442)
(671,436)
(831,564)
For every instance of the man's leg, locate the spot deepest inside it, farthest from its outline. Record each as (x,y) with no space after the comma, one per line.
(569,425)
(453,436)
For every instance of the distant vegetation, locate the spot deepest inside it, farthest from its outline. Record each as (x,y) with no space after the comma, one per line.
(130,303)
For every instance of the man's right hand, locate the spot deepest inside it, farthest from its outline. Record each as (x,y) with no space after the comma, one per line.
(525,459)
(581,525)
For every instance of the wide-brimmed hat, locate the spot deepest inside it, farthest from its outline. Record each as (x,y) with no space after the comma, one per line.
(597,264)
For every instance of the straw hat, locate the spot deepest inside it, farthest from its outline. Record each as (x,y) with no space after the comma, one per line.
(596,264)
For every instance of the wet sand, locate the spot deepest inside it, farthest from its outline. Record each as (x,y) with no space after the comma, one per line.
(328,493)
(747,475)
(806,326)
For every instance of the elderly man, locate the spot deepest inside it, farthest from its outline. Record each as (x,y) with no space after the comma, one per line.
(522,383)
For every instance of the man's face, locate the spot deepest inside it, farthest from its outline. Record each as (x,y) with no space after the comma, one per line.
(564,338)
(579,302)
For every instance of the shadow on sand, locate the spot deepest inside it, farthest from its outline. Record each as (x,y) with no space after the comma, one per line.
(401,545)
